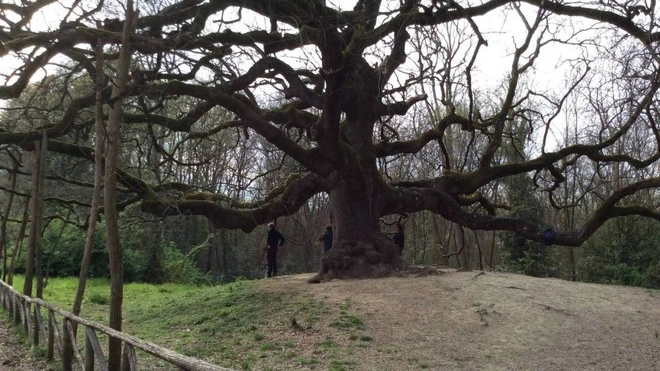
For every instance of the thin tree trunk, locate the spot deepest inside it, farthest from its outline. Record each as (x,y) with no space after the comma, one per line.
(39,224)
(19,242)
(224,245)
(571,257)
(115,252)
(458,241)
(479,252)
(98,179)
(412,241)
(154,252)
(493,247)
(216,249)
(3,228)
(36,213)
(448,243)
(37,221)
(54,245)
(29,260)
(437,251)
(425,240)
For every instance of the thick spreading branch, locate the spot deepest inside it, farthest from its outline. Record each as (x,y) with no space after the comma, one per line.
(321,103)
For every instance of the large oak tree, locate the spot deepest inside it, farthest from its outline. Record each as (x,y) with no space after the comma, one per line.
(332,86)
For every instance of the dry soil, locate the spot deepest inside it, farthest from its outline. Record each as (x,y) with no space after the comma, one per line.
(468,320)
(485,321)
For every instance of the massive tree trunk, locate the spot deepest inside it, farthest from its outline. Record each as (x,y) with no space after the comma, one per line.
(359,248)
(357,197)
(358,193)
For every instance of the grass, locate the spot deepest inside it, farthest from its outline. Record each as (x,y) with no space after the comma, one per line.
(232,325)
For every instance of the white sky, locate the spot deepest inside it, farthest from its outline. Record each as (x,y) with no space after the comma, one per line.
(493,63)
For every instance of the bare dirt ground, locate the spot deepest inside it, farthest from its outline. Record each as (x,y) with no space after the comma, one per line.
(458,321)
(15,355)
(491,321)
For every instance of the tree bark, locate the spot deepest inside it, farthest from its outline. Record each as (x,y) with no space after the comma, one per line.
(38,222)
(33,260)
(3,228)
(439,252)
(359,249)
(96,193)
(115,252)
(19,242)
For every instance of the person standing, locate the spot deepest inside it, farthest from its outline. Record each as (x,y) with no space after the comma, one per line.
(399,237)
(274,240)
(326,238)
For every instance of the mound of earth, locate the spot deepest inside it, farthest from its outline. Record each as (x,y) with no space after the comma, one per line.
(475,320)
(469,320)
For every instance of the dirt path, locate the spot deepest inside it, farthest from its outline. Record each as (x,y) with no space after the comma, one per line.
(495,321)
(15,355)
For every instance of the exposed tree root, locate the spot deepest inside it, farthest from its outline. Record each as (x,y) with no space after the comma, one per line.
(373,258)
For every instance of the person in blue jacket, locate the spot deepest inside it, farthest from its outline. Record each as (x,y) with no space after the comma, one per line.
(326,238)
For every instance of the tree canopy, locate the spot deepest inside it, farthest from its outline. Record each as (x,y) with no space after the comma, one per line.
(242,111)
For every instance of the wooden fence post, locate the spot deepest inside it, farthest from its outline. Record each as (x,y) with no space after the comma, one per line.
(34,325)
(52,326)
(3,297)
(129,359)
(27,318)
(89,353)
(24,316)
(68,328)
(95,349)
(9,304)
(17,311)
(67,349)
(39,323)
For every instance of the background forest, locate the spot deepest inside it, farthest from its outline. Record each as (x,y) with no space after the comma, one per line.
(556,155)
(153,140)
(189,249)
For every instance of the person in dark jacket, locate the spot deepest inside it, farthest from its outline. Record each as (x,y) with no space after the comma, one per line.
(274,240)
(399,237)
(326,238)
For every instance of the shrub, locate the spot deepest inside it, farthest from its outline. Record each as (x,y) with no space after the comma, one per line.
(624,252)
(527,257)
(97,298)
(179,268)
(63,248)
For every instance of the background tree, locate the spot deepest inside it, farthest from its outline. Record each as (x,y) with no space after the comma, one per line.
(521,255)
(330,93)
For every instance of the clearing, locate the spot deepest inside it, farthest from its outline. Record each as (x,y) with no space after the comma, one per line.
(456,320)
(476,320)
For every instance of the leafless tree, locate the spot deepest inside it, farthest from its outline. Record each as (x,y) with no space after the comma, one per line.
(330,89)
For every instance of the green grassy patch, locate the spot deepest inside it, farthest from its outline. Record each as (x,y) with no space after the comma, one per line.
(346,320)
(231,324)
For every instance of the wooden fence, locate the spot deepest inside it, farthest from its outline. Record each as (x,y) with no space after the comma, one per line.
(27,312)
